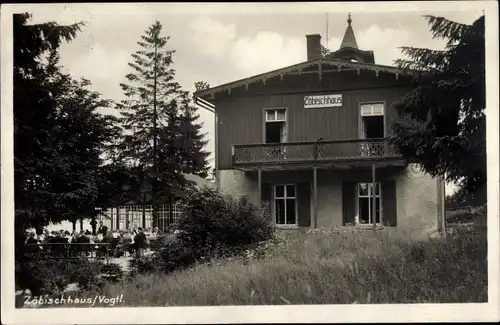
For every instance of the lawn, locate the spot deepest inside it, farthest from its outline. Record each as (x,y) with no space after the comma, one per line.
(339,266)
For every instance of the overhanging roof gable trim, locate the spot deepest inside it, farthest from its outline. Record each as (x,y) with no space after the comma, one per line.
(298,67)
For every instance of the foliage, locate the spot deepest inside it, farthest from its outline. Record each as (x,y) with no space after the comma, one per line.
(53,274)
(463,198)
(191,139)
(324,51)
(466,214)
(442,124)
(336,266)
(161,139)
(201,85)
(215,226)
(113,272)
(213,218)
(58,133)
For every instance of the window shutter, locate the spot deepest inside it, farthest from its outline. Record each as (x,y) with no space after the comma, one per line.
(348,202)
(267,196)
(304,204)
(389,211)
(266,192)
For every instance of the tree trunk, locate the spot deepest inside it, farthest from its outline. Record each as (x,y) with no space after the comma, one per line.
(155,154)
(171,210)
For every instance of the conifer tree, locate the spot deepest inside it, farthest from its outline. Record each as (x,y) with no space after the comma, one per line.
(442,120)
(149,118)
(192,140)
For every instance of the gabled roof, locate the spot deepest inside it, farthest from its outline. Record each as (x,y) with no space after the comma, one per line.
(297,68)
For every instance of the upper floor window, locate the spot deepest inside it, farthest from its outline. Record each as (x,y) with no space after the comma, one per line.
(276,115)
(372,109)
(275,128)
(372,120)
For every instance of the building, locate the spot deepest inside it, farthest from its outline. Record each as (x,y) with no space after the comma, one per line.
(133,215)
(311,140)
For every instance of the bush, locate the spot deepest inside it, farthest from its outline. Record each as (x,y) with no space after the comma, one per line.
(52,274)
(215,225)
(215,221)
(467,214)
(112,272)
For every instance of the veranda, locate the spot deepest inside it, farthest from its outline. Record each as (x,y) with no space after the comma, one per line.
(135,216)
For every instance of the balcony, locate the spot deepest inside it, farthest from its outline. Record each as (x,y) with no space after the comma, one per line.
(313,152)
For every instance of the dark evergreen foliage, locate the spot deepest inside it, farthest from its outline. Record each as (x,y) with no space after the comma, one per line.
(442,122)
(58,133)
(161,138)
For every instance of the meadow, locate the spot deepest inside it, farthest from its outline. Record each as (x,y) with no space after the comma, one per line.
(336,266)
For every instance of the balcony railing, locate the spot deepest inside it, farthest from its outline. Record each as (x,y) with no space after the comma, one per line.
(315,151)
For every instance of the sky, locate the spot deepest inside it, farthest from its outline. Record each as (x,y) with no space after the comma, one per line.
(222,43)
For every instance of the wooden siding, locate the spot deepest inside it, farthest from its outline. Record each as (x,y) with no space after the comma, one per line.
(241,114)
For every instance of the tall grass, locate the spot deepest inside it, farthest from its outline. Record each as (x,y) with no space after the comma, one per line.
(340,266)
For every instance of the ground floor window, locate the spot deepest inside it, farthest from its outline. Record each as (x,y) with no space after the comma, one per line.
(285,205)
(366,193)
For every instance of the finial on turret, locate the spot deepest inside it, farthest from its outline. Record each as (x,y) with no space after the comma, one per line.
(349,20)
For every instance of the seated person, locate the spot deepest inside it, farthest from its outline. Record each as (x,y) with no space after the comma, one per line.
(140,241)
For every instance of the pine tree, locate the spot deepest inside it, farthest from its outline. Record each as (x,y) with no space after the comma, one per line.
(152,93)
(192,141)
(442,121)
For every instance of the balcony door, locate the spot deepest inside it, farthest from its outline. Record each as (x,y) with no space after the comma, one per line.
(372,121)
(275,131)
(372,126)
(275,126)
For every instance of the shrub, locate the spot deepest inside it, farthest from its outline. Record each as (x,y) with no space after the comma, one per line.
(112,272)
(466,215)
(215,225)
(215,221)
(52,274)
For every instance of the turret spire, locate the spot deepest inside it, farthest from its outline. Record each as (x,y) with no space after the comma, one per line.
(349,38)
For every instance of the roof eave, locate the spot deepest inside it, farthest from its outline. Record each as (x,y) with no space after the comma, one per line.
(297,67)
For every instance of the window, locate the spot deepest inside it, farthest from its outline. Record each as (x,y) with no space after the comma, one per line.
(275,126)
(276,115)
(366,195)
(372,121)
(373,109)
(285,205)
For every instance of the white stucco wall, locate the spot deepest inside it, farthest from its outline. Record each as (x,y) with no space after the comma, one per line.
(416,194)
(417,201)
(238,183)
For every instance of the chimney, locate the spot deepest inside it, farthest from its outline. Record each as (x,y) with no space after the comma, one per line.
(313,47)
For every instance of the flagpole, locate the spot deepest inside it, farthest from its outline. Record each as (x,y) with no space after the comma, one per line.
(327,30)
